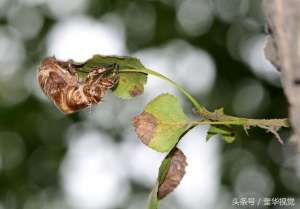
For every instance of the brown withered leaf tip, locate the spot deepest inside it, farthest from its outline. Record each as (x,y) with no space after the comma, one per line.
(59,80)
(145,125)
(174,175)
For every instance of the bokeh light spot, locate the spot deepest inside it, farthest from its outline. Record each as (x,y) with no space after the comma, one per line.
(199,189)
(67,7)
(252,52)
(10,62)
(28,21)
(231,9)
(195,16)
(79,38)
(254,181)
(92,173)
(12,150)
(191,67)
(250,98)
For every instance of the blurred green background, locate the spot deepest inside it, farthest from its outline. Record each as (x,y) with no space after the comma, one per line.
(92,159)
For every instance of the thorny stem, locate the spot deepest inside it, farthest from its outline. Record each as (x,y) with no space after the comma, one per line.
(216,117)
(245,122)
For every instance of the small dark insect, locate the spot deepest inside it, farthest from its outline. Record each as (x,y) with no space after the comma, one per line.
(59,80)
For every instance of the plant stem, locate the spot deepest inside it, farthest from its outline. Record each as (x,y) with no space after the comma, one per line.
(197,105)
(245,122)
(216,117)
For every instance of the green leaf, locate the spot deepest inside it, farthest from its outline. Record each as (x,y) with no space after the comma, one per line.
(162,123)
(153,201)
(131,84)
(225,132)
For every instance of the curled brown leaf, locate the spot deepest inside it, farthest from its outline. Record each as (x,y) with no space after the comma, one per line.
(60,81)
(174,175)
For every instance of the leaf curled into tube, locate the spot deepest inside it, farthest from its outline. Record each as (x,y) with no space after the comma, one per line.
(171,177)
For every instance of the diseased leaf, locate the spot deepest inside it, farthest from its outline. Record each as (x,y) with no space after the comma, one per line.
(225,132)
(131,84)
(171,172)
(162,123)
(153,201)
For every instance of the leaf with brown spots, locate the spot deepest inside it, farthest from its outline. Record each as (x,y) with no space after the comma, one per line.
(130,85)
(162,123)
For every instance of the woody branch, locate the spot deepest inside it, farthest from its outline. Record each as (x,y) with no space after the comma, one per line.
(283,50)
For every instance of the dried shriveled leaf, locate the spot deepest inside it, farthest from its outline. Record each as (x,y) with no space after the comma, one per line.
(162,123)
(131,84)
(171,172)
(174,173)
(59,80)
